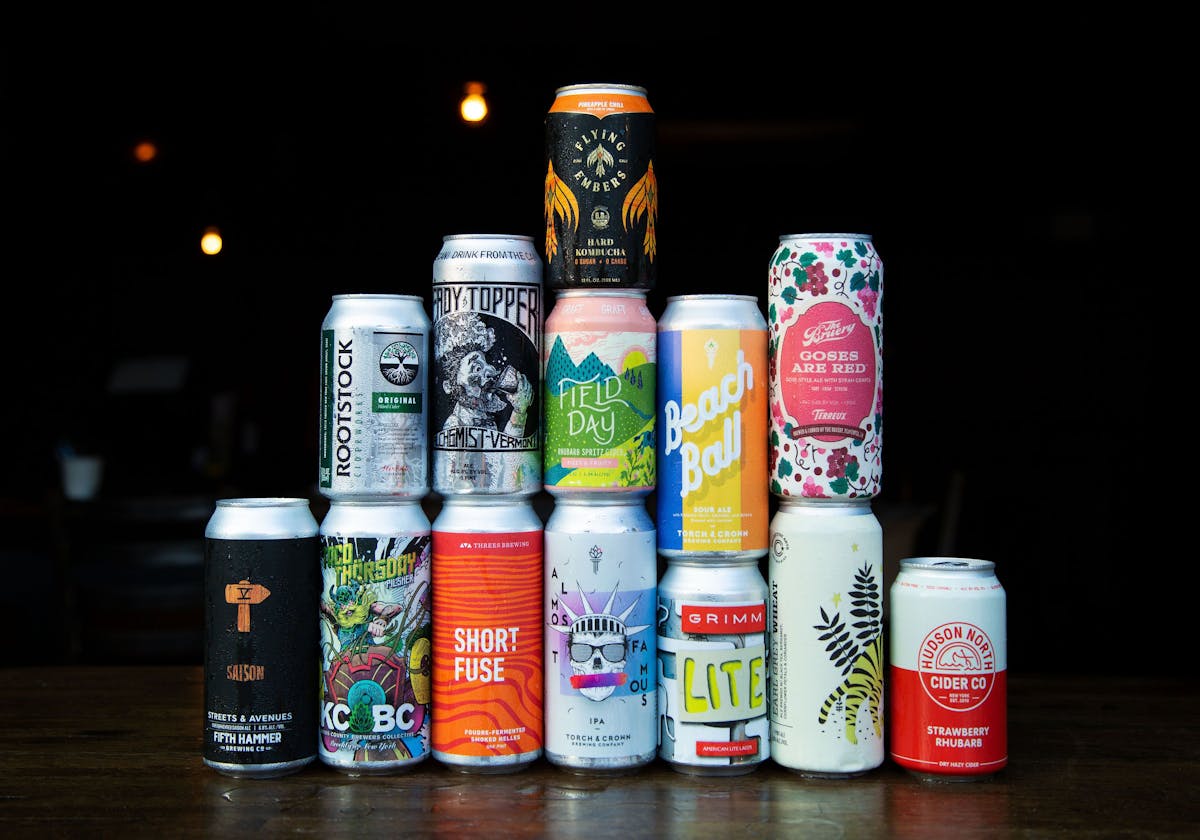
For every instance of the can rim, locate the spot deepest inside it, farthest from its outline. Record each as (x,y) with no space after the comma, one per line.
(263,502)
(577,292)
(377,296)
(516,236)
(713,297)
(830,507)
(948,564)
(601,86)
(822,235)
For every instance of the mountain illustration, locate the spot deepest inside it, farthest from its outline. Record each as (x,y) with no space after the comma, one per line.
(559,367)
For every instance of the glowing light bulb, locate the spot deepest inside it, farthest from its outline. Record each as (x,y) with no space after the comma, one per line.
(474,107)
(211,242)
(145,151)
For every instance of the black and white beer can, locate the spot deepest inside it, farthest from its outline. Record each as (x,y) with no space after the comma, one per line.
(712,666)
(374,407)
(376,645)
(260,592)
(487,341)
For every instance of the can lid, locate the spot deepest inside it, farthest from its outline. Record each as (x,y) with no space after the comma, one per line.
(508,236)
(863,236)
(714,297)
(605,292)
(825,507)
(600,87)
(948,564)
(377,296)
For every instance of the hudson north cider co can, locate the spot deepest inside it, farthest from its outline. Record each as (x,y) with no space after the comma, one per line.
(601,195)
(600,375)
(825,307)
(948,669)
(712,420)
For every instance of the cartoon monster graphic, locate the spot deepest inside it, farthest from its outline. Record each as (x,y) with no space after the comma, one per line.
(597,645)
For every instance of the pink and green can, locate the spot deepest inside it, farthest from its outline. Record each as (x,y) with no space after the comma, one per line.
(825,351)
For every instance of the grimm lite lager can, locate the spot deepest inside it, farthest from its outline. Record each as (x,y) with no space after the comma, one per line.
(260,591)
(487,344)
(601,204)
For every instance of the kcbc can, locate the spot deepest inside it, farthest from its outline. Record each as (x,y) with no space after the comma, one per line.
(260,590)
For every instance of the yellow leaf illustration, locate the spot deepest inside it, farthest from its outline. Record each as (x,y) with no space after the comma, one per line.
(643,198)
(559,202)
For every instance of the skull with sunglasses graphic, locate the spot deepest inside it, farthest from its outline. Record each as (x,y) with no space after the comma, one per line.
(597,645)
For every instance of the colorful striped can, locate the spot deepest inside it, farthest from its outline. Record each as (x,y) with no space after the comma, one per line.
(712,420)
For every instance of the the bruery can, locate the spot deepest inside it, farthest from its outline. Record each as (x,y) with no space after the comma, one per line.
(260,590)
(601,694)
(376,651)
(487,340)
(712,421)
(600,378)
(601,207)
(825,302)
(825,572)
(487,634)
(948,667)
(712,666)
(374,411)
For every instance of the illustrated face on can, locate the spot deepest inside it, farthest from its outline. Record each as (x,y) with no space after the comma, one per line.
(598,651)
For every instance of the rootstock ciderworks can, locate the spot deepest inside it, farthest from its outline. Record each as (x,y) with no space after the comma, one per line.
(825,306)
(712,666)
(712,418)
(601,195)
(600,376)
(260,591)
(374,409)
(487,634)
(376,645)
(601,691)
(487,340)
(948,669)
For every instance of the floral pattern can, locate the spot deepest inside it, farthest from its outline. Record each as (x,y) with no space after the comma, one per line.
(825,353)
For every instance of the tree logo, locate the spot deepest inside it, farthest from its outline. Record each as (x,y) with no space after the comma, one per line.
(399,363)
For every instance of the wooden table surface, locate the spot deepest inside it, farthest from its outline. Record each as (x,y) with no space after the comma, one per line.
(116,751)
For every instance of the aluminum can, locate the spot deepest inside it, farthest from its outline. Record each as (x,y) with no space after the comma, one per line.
(600,377)
(712,494)
(601,576)
(487,634)
(948,668)
(376,646)
(601,196)
(260,590)
(826,628)
(487,339)
(712,666)
(825,304)
(374,435)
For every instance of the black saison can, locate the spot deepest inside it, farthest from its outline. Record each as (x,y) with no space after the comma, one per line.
(261,590)
(601,193)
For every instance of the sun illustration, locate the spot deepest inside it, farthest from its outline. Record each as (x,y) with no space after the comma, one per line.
(634,358)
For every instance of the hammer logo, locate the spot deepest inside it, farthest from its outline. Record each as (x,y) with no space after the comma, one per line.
(245,594)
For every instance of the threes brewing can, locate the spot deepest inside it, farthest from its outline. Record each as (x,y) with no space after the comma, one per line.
(376,651)
(949,669)
(601,204)
(712,420)
(487,634)
(825,302)
(260,590)
(601,687)
(826,628)
(712,666)
(487,340)
(600,381)
(374,411)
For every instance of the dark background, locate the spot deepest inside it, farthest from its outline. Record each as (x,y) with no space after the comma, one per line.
(1003,187)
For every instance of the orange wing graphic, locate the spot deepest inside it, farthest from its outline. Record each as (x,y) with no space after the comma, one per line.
(643,198)
(559,202)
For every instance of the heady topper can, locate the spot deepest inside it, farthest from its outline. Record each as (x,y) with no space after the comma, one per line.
(260,591)
(487,344)
(948,669)
(601,194)
(374,435)
(712,419)
(600,381)
(825,304)
(376,656)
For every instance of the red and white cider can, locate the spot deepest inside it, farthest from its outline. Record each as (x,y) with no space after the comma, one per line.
(948,669)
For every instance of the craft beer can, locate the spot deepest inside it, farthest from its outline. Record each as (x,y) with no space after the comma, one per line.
(600,379)
(260,590)
(600,577)
(825,304)
(712,666)
(374,436)
(948,667)
(487,340)
(487,634)
(376,648)
(712,494)
(601,195)
(826,628)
